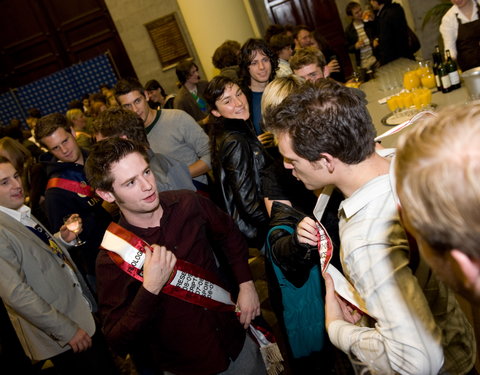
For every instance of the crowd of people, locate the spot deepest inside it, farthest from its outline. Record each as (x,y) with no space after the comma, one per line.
(127,223)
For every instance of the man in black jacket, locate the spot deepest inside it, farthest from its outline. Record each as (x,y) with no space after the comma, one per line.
(392,31)
(68,192)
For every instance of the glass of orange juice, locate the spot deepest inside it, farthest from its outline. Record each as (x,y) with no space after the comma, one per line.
(411,80)
(392,103)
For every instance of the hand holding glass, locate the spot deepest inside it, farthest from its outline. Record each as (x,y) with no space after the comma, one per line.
(74,225)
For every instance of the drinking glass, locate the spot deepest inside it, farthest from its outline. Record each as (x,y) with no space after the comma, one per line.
(368,357)
(72,222)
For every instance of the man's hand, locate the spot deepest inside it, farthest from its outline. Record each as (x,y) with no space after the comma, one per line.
(80,341)
(158,266)
(68,235)
(333,66)
(248,303)
(335,307)
(307,232)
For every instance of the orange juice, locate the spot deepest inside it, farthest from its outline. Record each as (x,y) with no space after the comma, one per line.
(411,80)
(392,103)
(428,80)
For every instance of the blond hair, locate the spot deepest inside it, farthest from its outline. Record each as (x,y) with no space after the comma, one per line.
(279,89)
(438,179)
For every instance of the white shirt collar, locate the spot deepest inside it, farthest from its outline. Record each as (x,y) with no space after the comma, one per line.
(361,197)
(19,214)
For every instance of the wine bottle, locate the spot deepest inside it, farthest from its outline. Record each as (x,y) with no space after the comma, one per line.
(452,70)
(437,60)
(444,78)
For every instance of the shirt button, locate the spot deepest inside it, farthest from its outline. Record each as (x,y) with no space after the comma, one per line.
(63,265)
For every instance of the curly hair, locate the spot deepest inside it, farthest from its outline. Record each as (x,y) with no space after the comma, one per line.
(118,122)
(247,54)
(324,117)
(226,55)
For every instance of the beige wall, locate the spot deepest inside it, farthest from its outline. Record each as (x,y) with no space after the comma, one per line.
(206,25)
(211,22)
(129,18)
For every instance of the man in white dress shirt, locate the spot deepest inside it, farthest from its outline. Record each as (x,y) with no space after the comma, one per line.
(326,137)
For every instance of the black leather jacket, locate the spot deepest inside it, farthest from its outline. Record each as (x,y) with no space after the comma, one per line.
(238,159)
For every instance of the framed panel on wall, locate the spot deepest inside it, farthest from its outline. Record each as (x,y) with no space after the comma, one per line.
(168,40)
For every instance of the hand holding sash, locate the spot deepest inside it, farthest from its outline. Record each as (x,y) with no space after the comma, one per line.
(306,231)
(336,308)
(248,303)
(158,267)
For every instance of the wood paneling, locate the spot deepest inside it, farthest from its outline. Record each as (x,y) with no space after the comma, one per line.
(40,37)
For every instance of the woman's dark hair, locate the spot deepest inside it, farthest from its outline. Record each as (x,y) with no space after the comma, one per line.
(248,52)
(216,88)
(183,70)
(153,84)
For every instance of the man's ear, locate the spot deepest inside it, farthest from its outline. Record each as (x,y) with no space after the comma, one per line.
(327,161)
(74,133)
(470,267)
(147,95)
(105,195)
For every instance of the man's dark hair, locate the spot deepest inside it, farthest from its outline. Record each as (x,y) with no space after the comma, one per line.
(226,54)
(34,112)
(98,97)
(350,7)
(280,41)
(247,54)
(118,122)
(216,88)
(48,124)
(182,70)
(385,2)
(153,84)
(127,85)
(272,30)
(75,104)
(325,117)
(103,155)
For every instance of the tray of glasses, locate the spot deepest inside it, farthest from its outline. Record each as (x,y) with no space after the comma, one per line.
(398,117)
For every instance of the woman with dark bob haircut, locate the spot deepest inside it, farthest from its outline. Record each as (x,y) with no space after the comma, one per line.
(238,158)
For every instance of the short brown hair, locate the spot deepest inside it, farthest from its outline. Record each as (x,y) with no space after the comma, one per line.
(117,122)
(104,154)
(437,172)
(48,124)
(306,56)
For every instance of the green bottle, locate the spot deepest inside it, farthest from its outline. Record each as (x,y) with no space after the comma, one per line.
(452,70)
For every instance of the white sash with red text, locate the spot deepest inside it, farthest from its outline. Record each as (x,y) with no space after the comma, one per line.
(187,282)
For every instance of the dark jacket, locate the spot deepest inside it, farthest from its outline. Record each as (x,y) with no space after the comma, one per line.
(392,33)
(351,36)
(60,203)
(238,159)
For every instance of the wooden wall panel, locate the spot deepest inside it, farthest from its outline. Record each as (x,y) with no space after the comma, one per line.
(40,37)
